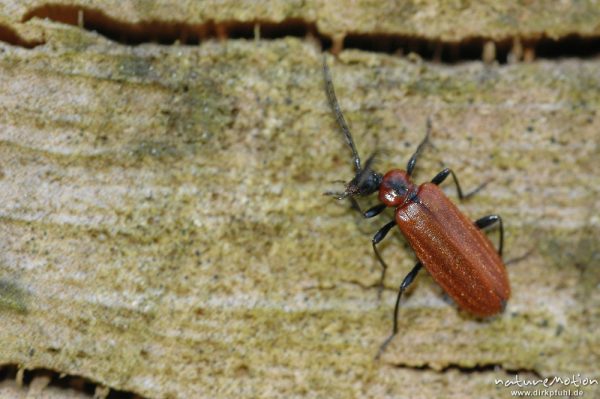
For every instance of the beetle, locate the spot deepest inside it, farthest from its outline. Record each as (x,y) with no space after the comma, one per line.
(454,250)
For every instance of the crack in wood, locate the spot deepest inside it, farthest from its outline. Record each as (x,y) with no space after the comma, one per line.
(503,50)
(10,36)
(57,379)
(478,368)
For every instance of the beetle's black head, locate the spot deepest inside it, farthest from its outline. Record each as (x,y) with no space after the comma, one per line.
(365,182)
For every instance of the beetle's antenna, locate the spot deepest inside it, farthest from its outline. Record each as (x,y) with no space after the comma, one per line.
(413,159)
(335,106)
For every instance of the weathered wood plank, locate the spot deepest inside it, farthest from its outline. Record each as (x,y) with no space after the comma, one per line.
(434,19)
(162,228)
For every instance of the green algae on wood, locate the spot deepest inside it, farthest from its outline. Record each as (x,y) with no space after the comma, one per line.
(12,297)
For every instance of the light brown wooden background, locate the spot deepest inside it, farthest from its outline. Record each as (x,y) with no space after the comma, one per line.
(163,232)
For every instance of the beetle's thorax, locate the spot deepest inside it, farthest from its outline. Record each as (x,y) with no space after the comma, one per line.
(396,188)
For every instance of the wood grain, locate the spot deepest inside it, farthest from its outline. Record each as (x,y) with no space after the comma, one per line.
(163,229)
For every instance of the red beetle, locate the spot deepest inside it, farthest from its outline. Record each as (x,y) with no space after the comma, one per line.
(454,250)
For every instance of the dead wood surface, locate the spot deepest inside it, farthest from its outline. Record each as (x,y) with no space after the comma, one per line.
(163,229)
(445,20)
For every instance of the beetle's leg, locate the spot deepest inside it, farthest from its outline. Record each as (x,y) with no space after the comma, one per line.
(413,159)
(369,213)
(405,283)
(440,177)
(354,204)
(488,221)
(374,211)
(380,235)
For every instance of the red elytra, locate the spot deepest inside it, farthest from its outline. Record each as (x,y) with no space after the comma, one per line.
(459,257)
(453,249)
